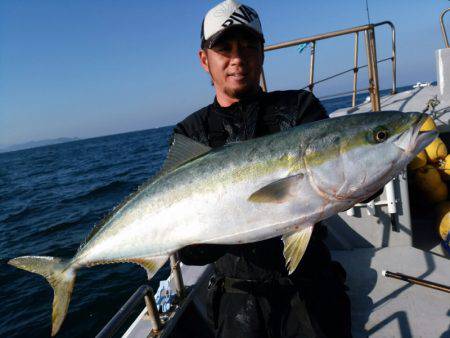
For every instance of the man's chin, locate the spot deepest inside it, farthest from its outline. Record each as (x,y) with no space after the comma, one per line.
(240,92)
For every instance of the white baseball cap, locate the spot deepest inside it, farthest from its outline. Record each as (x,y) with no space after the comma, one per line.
(229,14)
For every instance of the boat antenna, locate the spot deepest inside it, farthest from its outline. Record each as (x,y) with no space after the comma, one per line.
(367,10)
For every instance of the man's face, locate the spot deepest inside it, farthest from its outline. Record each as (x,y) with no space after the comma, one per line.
(234,63)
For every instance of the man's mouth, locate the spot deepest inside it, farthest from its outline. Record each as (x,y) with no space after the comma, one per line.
(238,76)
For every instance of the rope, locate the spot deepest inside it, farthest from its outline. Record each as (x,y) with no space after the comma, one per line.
(367,10)
(431,107)
(344,93)
(431,104)
(342,73)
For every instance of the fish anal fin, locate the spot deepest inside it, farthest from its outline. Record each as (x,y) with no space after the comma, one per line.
(151,265)
(277,192)
(295,245)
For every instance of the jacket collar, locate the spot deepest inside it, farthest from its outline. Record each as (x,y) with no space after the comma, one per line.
(241,106)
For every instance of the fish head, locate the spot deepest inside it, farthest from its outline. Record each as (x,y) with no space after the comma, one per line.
(354,156)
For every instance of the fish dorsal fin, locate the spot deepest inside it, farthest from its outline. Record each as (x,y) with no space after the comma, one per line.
(182,149)
(278,191)
(295,245)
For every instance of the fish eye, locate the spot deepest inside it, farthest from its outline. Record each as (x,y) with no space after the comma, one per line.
(380,135)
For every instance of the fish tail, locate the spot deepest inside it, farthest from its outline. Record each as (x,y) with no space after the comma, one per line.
(61,276)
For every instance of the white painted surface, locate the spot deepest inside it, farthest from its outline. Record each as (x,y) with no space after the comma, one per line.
(387,307)
(443,73)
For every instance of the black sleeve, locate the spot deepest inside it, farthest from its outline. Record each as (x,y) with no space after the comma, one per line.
(202,254)
(199,254)
(194,126)
(309,108)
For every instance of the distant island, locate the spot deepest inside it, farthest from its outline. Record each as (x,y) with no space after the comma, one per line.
(35,144)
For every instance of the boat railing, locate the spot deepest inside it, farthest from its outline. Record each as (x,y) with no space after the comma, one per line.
(115,324)
(145,292)
(372,62)
(444,32)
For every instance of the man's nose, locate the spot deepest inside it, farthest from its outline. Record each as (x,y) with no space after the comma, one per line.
(236,53)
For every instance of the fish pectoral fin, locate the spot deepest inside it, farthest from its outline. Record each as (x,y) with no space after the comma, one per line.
(295,245)
(151,264)
(182,150)
(278,191)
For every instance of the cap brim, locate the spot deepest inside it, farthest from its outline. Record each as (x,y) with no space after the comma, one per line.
(216,37)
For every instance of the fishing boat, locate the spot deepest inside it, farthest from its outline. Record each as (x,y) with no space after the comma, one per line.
(387,234)
(421,84)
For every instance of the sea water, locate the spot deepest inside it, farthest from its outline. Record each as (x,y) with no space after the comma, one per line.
(50,198)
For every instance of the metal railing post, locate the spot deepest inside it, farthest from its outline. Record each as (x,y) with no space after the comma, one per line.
(376,87)
(369,64)
(311,66)
(394,62)
(394,54)
(355,70)
(152,311)
(373,71)
(444,32)
(176,274)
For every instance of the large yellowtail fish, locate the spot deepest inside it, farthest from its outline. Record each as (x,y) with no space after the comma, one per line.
(280,184)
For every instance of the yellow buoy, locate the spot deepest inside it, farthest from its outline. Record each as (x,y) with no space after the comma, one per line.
(443,218)
(436,150)
(427,177)
(428,125)
(444,168)
(428,180)
(419,161)
(438,195)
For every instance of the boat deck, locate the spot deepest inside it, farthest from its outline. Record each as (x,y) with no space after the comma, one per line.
(411,100)
(387,307)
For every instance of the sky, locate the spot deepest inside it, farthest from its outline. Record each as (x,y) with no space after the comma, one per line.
(88,68)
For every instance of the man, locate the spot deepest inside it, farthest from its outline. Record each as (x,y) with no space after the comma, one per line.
(251,294)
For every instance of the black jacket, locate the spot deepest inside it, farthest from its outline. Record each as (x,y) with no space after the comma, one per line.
(259,115)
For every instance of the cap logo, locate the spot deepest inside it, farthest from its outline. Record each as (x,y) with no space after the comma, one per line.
(246,16)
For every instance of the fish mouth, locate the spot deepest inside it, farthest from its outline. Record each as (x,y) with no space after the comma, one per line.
(414,140)
(423,138)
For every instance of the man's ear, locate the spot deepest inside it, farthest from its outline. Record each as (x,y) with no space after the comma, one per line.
(203,60)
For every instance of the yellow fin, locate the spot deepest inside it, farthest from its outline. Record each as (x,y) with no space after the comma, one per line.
(276,192)
(61,277)
(151,264)
(295,245)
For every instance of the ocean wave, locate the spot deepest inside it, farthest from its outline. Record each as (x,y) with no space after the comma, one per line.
(141,149)
(62,225)
(24,211)
(99,191)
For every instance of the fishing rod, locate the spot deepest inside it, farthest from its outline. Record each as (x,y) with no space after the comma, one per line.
(418,281)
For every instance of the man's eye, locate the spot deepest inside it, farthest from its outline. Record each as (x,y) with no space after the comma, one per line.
(251,46)
(222,48)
